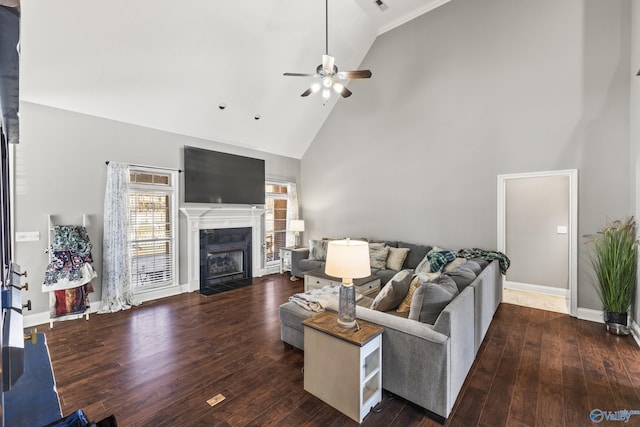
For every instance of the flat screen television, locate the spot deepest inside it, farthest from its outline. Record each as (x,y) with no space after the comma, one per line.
(215,177)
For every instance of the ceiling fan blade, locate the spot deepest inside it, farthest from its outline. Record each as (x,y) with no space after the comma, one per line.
(357,74)
(345,92)
(299,75)
(307,92)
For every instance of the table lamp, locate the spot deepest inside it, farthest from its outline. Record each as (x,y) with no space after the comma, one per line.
(296,225)
(347,259)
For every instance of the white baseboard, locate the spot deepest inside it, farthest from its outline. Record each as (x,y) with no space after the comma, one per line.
(590,315)
(540,289)
(635,331)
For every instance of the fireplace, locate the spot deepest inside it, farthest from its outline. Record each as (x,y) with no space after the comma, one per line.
(225,259)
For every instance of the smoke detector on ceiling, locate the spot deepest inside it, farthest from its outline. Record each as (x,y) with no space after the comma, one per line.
(381,4)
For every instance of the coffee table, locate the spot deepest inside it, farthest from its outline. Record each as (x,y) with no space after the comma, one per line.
(316,279)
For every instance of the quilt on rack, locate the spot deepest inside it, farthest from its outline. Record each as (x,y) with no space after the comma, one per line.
(69,274)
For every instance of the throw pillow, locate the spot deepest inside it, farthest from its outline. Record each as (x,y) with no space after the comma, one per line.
(431,297)
(396,258)
(463,276)
(424,266)
(318,250)
(453,264)
(405,305)
(378,255)
(473,266)
(439,260)
(393,292)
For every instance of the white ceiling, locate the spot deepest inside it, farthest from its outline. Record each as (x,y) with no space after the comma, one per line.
(169,64)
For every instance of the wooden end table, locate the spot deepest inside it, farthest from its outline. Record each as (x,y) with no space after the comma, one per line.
(343,367)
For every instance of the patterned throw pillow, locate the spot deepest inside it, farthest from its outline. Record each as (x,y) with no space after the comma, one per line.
(378,253)
(417,280)
(318,250)
(396,258)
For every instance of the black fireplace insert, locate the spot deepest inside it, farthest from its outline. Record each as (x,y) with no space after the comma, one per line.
(225,259)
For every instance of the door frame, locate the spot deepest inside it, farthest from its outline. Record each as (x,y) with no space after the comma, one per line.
(572,174)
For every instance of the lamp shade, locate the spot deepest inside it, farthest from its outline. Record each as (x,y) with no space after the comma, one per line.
(296,225)
(348,259)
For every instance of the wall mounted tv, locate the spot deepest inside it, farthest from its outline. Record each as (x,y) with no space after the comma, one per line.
(214,177)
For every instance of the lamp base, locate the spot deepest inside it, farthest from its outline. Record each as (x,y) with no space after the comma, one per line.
(347,325)
(347,306)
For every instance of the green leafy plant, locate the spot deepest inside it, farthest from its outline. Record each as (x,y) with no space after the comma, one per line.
(614,258)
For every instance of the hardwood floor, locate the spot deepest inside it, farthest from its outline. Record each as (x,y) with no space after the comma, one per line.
(158,364)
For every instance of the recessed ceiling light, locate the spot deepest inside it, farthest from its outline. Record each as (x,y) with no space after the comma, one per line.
(381,4)
(222,106)
(256,117)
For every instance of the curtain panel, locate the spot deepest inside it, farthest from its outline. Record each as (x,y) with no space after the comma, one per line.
(292,211)
(117,290)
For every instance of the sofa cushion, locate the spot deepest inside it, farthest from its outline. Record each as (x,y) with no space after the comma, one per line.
(405,305)
(309,264)
(453,264)
(390,243)
(463,276)
(481,262)
(393,292)
(431,297)
(396,258)
(384,275)
(378,255)
(473,266)
(318,250)
(423,266)
(416,253)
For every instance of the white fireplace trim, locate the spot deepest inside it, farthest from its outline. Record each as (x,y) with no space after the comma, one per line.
(220,217)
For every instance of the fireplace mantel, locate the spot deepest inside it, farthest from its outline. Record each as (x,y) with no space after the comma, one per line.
(203,218)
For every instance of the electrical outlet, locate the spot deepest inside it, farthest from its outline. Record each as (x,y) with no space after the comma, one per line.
(27,236)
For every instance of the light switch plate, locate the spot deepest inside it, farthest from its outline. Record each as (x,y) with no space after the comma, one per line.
(27,236)
(563,229)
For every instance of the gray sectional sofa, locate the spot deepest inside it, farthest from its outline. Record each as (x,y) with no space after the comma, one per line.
(423,363)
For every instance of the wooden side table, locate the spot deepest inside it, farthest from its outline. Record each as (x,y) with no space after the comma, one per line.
(343,367)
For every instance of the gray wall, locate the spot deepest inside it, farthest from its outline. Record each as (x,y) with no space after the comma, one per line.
(465,93)
(60,170)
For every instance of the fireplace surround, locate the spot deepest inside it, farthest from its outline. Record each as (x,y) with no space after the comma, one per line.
(220,218)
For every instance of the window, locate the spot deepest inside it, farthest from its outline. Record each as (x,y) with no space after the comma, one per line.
(275,220)
(152,203)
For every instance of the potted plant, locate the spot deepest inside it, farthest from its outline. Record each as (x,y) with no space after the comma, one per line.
(614,258)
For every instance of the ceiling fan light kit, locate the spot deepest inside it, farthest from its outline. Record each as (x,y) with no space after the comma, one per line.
(328,73)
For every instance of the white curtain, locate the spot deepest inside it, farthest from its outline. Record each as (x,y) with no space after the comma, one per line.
(292,212)
(117,292)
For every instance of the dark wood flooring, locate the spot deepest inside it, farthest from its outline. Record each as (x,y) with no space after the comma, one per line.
(158,364)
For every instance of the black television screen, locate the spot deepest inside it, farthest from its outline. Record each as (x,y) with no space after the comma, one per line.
(214,177)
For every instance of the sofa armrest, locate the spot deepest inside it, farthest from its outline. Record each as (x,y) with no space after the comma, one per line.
(296,256)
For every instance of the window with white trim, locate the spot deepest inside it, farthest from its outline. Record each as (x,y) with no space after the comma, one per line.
(152,200)
(275,220)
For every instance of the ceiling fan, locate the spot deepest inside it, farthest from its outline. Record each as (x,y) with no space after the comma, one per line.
(328,72)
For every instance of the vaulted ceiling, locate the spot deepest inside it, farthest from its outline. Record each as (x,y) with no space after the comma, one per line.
(169,65)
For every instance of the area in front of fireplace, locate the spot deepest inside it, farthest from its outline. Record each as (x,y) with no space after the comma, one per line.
(225,259)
